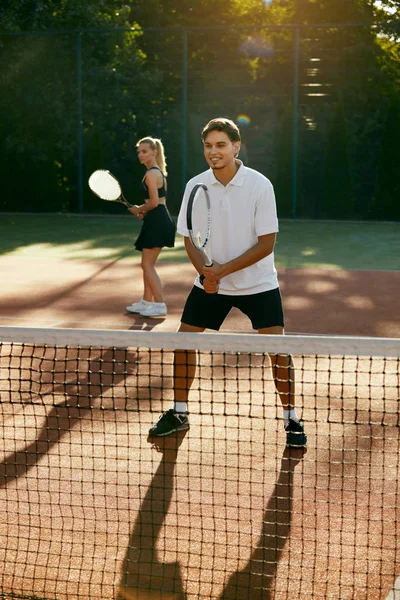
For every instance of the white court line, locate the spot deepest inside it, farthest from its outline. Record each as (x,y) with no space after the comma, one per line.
(394,594)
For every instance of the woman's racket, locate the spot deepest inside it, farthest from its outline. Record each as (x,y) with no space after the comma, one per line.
(198,220)
(106,186)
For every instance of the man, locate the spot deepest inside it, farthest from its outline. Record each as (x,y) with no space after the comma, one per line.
(243,274)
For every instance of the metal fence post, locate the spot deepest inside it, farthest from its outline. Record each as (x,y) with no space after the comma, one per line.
(295,121)
(184,112)
(80,123)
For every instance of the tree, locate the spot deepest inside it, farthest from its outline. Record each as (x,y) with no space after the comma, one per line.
(133,84)
(387,204)
(338,194)
(39,94)
(284,176)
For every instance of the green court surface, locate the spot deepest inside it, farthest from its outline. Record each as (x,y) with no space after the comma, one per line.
(317,244)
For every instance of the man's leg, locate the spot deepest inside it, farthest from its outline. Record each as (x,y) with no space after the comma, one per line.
(202,311)
(175,419)
(184,371)
(283,373)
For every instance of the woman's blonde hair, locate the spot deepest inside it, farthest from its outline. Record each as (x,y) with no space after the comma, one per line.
(156,144)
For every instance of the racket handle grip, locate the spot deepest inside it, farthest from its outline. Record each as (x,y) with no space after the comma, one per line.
(202,277)
(208,263)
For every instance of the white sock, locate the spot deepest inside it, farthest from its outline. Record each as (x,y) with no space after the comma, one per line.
(289,414)
(180,407)
(145,302)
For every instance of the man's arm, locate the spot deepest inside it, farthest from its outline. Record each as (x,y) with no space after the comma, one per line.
(197,260)
(264,247)
(195,256)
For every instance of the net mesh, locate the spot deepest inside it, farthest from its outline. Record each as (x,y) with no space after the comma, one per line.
(90,507)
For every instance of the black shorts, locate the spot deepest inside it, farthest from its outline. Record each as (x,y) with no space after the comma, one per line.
(210,310)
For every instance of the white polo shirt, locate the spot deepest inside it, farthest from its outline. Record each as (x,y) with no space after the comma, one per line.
(240,212)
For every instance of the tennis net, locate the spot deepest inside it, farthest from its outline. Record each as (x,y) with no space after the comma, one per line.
(91,508)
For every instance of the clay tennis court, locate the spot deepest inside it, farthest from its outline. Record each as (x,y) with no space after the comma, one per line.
(93,509)
(93,293)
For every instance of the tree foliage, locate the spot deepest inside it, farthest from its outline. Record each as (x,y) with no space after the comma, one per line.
(386,201)
(338,197)
(240,59)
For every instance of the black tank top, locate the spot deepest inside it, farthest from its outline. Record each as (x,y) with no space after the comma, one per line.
(162,191)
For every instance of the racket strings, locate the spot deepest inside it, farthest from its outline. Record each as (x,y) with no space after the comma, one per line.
(105,185)
(201,221)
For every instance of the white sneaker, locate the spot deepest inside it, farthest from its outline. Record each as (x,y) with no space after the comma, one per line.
(157,309)
(138,306)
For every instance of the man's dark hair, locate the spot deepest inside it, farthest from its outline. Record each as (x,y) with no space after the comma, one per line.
(222,124)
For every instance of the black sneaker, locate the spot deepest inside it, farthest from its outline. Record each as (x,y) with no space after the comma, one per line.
(170,422)
(295,436)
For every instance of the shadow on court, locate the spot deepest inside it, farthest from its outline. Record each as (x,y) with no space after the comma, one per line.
(143,576)
(256,580)
(85,392)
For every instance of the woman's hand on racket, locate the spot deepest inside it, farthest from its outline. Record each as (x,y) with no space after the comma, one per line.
(137,211)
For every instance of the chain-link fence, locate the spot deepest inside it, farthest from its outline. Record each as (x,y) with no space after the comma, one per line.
(315,105)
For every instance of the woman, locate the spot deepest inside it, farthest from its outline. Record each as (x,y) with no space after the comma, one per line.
(158,229)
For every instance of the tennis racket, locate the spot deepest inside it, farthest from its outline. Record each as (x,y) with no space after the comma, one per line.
(107,187)
(198,220)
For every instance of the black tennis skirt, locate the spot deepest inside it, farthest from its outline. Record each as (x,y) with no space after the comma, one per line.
(158,229)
